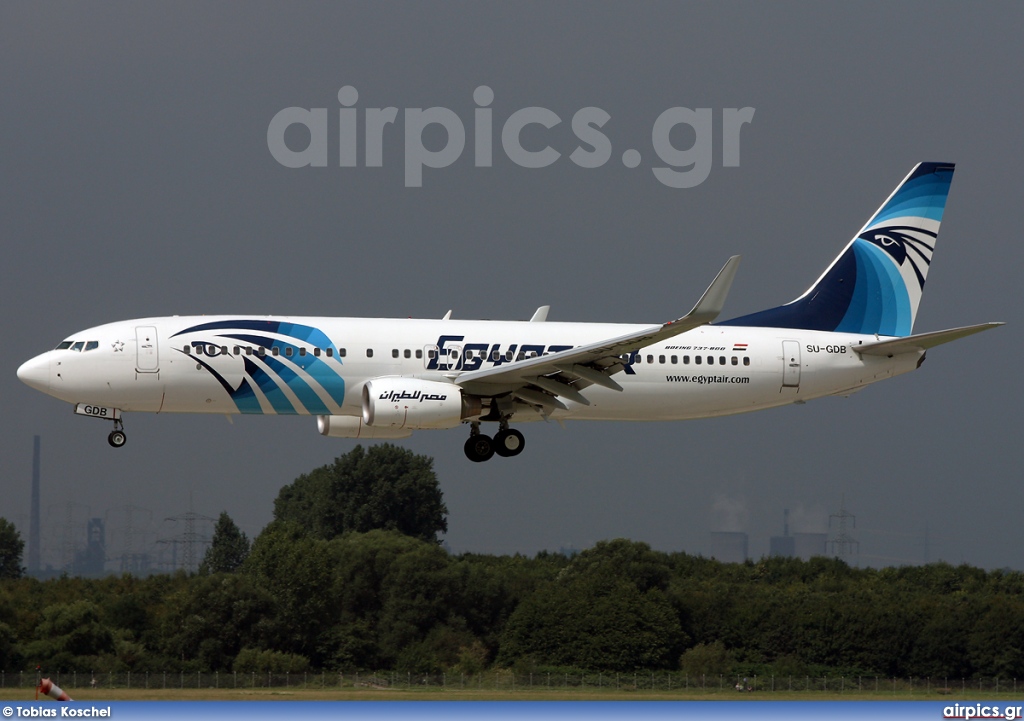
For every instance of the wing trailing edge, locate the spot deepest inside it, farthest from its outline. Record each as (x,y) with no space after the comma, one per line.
(583,365)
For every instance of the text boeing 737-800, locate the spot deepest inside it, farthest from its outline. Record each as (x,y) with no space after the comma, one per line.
(385,378)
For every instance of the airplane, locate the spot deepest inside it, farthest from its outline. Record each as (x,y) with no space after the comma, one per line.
(379,378)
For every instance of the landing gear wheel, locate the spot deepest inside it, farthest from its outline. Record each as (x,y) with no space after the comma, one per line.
(509,442)
(479,448)
(117,438)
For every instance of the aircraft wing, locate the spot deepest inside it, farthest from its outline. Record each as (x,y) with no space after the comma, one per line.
(920,342)
(542,379)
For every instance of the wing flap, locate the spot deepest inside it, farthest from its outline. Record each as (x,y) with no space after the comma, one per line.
(603,356)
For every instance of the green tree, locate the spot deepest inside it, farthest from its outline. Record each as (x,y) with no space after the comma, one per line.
(706,659)
(228,549)
(606,610)
(297,571)
(11,547)
(385,487)
(217,616)
(70,636)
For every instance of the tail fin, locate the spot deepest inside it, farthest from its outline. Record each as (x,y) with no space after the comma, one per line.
(875,284)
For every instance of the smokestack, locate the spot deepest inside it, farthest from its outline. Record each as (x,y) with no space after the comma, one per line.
(33,524)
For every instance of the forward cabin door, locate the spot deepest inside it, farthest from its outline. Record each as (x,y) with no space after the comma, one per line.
(147,350)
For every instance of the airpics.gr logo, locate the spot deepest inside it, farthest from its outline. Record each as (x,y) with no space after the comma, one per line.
(683,168)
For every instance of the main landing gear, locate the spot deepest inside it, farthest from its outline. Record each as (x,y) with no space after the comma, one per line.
(117,438)
(507,442)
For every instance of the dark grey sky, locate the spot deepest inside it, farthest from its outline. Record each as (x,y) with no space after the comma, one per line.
(135,180)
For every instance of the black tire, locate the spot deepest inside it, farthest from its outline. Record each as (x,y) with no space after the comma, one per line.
(479,448)
(117,439)
(509,442)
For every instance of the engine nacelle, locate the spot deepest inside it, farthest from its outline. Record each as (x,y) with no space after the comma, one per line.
(411,403)
(353,427)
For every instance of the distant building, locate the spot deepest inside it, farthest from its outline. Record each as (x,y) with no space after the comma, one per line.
(92,561)
(784,546)
(729,546)
(137,564)
(806,545)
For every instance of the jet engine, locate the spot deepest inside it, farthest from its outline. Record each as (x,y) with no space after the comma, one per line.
(410,403)
(353,427)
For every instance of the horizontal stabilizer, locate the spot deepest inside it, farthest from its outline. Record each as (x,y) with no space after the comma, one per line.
(920,342)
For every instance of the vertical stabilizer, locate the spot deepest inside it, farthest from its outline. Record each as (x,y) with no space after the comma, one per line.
(875,284)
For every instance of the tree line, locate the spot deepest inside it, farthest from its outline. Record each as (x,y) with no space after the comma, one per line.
(350,576)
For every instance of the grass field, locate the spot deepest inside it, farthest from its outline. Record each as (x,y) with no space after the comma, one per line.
(454,694)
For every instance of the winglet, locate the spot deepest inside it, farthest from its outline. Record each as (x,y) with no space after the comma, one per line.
(713,300)
(541,314)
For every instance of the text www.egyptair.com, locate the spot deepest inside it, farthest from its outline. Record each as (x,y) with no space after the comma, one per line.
(705,380)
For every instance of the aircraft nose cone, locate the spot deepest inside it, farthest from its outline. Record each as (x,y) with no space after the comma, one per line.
(35,373)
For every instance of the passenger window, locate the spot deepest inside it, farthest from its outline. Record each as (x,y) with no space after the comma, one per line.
(187,349)
(735,360)
(408,353)
(675,359)
(329,352)
(302,351)
(746,360)
(711,360)
(275,351)
(224,350)
(639,358)
(721,360)
(394,352)
(696,359)
(419,353)
(78,346)
(316,352)
(342,352)
(431,354)
(288,351)
(661,359)
(508,356)
(261,351)
(369,352)
(495,355)
(650,359)
(686,360)
(238,350)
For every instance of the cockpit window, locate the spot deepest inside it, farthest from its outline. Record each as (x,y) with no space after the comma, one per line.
(78,346)
(64,346)
(92,345)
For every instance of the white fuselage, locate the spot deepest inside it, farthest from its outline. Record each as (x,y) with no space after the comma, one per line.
(318,366)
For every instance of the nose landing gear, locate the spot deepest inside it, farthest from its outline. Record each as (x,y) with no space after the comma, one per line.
(117,438)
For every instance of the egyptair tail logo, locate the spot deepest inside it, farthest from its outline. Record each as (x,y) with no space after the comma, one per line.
(876,283)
